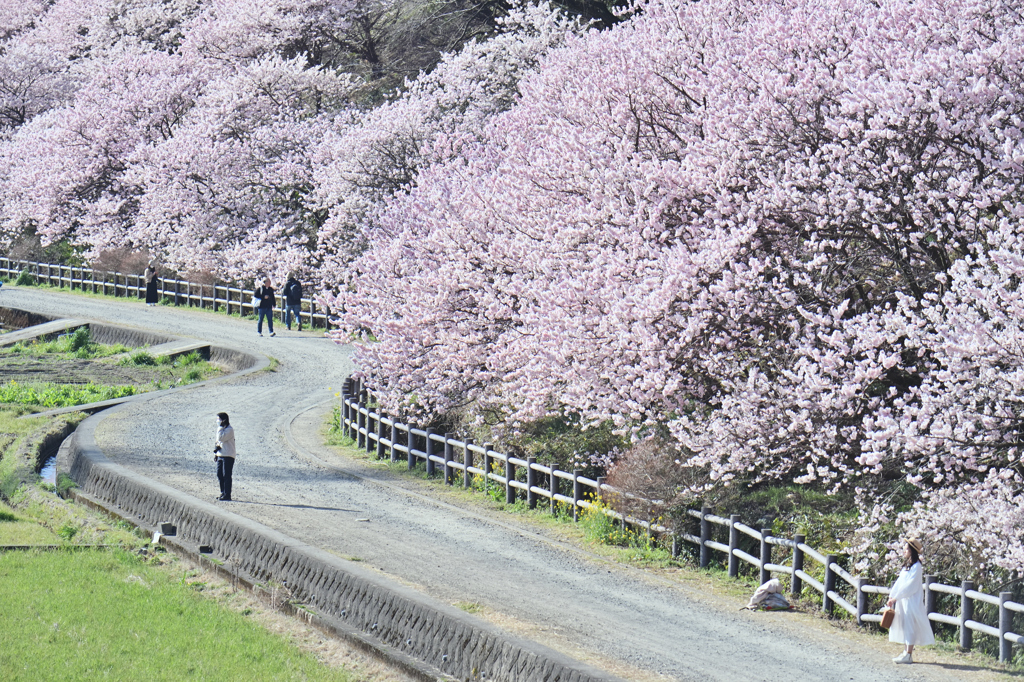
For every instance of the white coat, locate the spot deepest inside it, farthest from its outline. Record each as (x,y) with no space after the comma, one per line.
(911,624)
(226,441)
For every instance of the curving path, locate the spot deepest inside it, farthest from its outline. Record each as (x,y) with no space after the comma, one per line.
(638,626)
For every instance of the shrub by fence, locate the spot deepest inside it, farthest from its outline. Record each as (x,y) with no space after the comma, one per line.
(386,436)
(181,292)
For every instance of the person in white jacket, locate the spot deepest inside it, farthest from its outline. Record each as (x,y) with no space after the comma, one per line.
(911,626)
(224,455)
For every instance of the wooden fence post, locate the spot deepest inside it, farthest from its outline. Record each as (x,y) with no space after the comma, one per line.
(370,419)
(862,600)
(467,461)
(766,556)
(734,544)
(705,535)
(428,452)
(409,446)
(394,439)
(531,481)
(553,488)
(797,583)
(510,475)
(380,434)
(830,584)
(346,427)
(1005,625)
(487,465)
(929,598)
(360,443)
(577,493)
(966,614)
(448,458)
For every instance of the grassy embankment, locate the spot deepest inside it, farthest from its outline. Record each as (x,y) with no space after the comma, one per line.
(111,614)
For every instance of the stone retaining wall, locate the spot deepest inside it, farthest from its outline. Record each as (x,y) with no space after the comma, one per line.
(12,318)
(440,637)
(133,338)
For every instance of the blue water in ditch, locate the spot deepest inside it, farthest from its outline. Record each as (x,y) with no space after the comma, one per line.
(49,471)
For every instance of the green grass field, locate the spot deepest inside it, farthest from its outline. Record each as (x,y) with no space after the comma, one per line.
(107,615)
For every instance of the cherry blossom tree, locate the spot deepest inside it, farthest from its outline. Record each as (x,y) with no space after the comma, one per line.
(228,192)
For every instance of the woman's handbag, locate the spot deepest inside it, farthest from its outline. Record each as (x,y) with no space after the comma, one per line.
(887,617)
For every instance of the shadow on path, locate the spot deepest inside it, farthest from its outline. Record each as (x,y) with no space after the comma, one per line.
(295,506)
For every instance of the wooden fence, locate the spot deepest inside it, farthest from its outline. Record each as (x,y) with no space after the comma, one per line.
(181,292)
(731,539)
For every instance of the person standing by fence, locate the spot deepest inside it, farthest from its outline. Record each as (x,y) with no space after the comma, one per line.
(910,626)
(152,297)
(265,307)
(293,302)
(224,455)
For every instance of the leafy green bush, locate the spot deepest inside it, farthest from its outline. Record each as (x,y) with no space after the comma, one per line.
(193,374)
(25,279)
(193,358)
(64,484)
(562,440)
(79,340)
(139,358)
(68,532)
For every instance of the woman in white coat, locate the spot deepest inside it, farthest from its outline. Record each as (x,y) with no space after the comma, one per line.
(911,626)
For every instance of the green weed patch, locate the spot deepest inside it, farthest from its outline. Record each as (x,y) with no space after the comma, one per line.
(51,395)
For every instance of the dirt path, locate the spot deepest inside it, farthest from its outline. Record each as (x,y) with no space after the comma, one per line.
(639,626)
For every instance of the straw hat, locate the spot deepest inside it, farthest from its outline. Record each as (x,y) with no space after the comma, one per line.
(915,543)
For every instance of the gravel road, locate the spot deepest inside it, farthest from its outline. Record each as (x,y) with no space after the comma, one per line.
(639,626)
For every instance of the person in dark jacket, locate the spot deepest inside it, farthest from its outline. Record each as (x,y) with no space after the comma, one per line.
(152,297)
(265,308)
(293,302)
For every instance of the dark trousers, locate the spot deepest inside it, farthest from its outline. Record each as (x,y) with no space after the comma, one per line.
(264,313)
(224,467)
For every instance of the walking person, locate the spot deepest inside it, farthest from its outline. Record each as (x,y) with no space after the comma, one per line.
(910,627)
(293,302)
(224,455)
(152,298)
(265,309)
